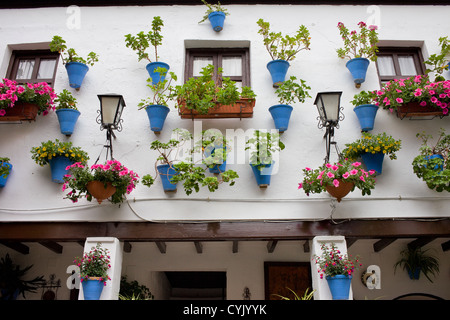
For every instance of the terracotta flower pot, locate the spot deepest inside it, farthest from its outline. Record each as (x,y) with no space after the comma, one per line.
(341,191)
(98,190)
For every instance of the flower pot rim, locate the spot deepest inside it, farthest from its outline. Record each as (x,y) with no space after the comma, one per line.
(358,59)
(156,105)
(157,62)
(77,62)
(281,106)
(279,61)
(217,13)
(67,109)
(339,276)
(367,105)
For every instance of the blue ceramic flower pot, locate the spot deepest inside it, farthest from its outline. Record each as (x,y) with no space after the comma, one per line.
(92,289)
(67,119)
(366,115)
(281,113)
(358,68)
(156,77)
(157,115)
(4,179)
(278,69)
(58,167)
(339,286)
(263,176)
(167,172)
(373,161)
(76,72)
(217,19)
(436,156)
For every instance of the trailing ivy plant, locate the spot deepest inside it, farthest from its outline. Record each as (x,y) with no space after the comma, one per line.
(58,44)
(262,146)
(213,8)
(142,41)
(284,47)
(189,173)
(203,93)
(434,171)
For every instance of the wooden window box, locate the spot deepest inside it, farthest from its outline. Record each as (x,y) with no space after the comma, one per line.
(243,108)
(415,110)
(20,112)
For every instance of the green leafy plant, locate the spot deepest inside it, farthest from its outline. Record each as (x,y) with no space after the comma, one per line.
(51,149)
(58,44)
(4,170)
(413,259)
(133,290)
(163,91)
(123,179)
(262,146)
(290,90)
(364,97)
(370,143)
(284,47)
(65,100)
(40,94)
(94,263)
(362,45)
(142,41)
(214,148)
(332,262)
(188,172)
(213,8)
(332,174)
(434,171)
(12,282)
(202,93)
(439,62)
(305,296)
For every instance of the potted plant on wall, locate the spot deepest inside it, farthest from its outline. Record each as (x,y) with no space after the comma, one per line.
(94,266)
(5,170)
(76,66)
(263,146)
(25,102)
(142,41)
(287,93)
(12,280)
(100,181)
(337,268)
(415,97)
(59,155)
(338,179)
(416,260)
(360,49)
(215,14)
(157,107)
(183,170)
(202,97)
(214,148)
(67,112)
(439,62)
(365,109)
(372,149)
(431,165)
(282,49)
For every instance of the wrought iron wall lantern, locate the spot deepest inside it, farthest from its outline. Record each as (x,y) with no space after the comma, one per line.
(109,118)
(329,107)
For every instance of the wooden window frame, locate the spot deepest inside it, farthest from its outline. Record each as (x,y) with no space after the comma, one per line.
(30,54)
(395,52)
(217,54)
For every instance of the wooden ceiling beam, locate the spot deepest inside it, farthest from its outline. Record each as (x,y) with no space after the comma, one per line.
(271,245)
(161,246)
(198,246)
(17,246)
(383,243)
(420,242)
(445,246)
(53,246)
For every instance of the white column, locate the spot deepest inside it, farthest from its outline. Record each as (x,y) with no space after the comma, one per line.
(320,286)
(111,290)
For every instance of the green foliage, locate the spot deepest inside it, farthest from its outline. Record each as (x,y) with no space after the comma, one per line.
(58,44)
(262,147)
(305,296)
(94,263)
(142,41)
(372,144)
(65,100)
(202,93)
(51,149)
(4,170)
(435,172)
(289,90)
(213,8)
(133,290)
(362,45)
(284,47)
(12,279)
(364,97)
(162,91)
(416,258)
(439,62)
